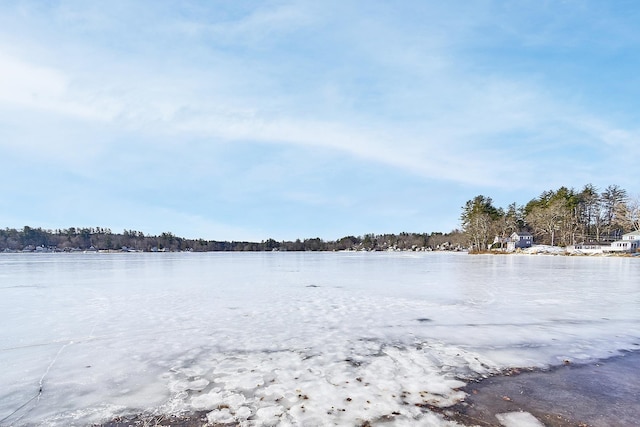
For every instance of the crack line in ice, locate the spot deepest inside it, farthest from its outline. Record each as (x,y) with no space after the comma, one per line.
(20,407)
(40,386)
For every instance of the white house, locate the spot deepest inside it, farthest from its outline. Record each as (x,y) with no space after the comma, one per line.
(589,248)
(634,235)
(630,243)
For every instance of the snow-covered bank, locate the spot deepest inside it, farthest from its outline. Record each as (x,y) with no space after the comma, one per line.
(561,250)
(544,249)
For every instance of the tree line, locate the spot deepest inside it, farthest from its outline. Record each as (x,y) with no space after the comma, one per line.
(74,239)
(556,217)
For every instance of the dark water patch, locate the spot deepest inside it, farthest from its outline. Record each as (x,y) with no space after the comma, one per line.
(604,393)
(424,320)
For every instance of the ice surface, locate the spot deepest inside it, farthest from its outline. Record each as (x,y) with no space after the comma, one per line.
(293,338)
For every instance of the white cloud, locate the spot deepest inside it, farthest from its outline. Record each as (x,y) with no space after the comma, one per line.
(29,86)
(23,84)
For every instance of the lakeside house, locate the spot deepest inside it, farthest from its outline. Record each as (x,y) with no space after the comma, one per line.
(589,248)
(519,240)
(634,235)
(630,243)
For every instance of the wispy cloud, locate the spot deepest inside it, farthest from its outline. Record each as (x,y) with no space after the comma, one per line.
(32,86)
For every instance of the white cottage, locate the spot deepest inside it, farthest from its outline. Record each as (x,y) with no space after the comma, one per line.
(630,243)
(634,235)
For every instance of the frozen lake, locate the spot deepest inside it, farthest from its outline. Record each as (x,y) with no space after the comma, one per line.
(307,339)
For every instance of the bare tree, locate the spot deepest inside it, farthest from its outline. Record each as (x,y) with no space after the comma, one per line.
(628,213)
(547,220)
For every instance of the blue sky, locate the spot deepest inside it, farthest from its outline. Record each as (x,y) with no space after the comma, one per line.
(294,119)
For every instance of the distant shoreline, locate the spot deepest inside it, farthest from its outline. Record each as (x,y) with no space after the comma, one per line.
(558,252)
(103,239)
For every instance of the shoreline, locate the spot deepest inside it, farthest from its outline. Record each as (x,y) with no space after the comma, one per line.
(598,394)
